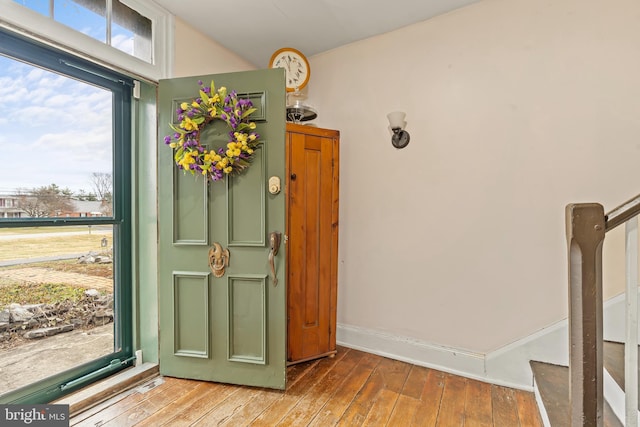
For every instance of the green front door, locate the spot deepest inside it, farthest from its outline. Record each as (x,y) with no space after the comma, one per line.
(231,328)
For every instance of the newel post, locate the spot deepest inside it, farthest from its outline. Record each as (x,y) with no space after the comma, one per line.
(585,234)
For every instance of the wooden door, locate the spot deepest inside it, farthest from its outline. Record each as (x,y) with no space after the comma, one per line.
(312,183)
(229,329)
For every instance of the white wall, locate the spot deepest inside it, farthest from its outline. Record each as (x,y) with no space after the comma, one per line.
(196,54)
(515,108)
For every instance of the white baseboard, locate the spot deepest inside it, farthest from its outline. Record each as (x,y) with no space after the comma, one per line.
(412,351)
(507,366)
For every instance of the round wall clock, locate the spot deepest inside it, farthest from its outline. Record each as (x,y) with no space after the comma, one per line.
(295,64)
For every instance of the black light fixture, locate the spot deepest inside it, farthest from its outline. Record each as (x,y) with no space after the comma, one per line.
(400,137)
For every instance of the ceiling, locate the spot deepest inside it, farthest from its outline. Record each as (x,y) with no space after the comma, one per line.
(254,29)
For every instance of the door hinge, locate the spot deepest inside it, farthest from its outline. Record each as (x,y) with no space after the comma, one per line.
(286,239)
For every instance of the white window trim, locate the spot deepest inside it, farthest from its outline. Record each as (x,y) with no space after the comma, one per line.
(32,24)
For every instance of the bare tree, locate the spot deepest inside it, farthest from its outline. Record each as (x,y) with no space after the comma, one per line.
(30,204)
(102,184)
(45,201)
(106,207)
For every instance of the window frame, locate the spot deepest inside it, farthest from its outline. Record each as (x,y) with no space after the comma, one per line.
(121,87)
(30,23)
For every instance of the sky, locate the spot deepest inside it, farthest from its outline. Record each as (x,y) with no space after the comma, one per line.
(53,129)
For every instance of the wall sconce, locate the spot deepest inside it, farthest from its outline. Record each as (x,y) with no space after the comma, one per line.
(400,137)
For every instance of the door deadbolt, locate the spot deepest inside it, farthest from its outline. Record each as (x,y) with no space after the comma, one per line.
(274,185)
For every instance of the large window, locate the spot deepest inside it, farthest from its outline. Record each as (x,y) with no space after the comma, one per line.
(133,35)
(110,22)
(65,221)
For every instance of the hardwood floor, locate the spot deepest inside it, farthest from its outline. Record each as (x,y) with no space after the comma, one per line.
(352,389)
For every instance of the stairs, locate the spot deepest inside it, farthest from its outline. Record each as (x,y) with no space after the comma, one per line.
(551,383)
(552,388)
(614,362)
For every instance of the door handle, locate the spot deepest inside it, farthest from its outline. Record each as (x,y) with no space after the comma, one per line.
(218,259)
(274,243)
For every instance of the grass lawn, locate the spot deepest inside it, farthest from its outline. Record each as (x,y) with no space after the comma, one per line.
(41,230)
(70,266)
(30,247)
(51,246)
(34,293)
(38,293)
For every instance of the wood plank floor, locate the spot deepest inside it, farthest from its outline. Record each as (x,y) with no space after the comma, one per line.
(352,389)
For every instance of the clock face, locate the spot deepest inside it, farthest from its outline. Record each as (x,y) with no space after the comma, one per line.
(296,67)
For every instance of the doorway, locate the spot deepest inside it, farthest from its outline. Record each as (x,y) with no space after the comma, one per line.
(65,220)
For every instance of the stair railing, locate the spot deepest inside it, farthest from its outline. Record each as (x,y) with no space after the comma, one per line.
(586,227)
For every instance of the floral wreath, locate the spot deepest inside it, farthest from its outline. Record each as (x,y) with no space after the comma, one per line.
(191,156)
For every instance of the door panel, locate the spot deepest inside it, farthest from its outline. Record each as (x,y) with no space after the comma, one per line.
(191,314)
(189,201)
(247,319)
(231,328)
(246,208)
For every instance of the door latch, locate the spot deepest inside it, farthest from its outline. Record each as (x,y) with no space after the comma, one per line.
(274,243)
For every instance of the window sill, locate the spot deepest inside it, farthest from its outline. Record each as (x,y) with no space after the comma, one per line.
(92,395)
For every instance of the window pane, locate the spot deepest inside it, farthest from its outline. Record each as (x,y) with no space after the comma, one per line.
(131,32)
(85,16)
(57,145)
(56,300)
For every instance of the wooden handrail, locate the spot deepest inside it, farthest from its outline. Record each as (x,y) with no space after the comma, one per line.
(622,213)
